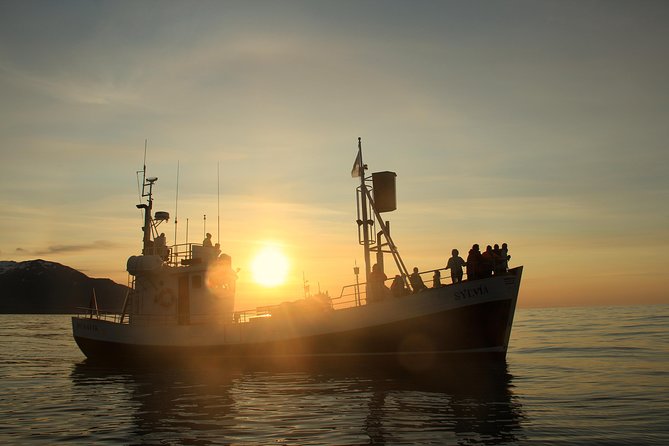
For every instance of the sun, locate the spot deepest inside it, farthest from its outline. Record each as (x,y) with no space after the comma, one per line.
(270,267)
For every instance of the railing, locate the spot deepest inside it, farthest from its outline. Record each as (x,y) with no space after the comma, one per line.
(356,294)
(103,315)
(182,253)
(255,314)
(353,295)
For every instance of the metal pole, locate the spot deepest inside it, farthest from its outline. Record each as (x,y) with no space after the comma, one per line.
(218,190)
(176,207)
(365,227)
(356,271)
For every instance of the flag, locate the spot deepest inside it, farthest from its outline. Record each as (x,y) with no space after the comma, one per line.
(357,166)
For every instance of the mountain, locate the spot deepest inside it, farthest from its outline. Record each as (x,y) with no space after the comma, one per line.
(38,286)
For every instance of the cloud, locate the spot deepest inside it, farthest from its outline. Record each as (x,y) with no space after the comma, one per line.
(60,249)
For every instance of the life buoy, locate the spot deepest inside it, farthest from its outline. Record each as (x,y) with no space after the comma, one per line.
(165,298)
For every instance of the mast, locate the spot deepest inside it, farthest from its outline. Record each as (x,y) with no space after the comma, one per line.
(147,214)
(366,204)
(146,239)
(365,219)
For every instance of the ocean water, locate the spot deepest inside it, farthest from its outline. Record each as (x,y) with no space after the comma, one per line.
(581,376)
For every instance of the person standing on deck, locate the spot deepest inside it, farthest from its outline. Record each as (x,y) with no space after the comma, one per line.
(505,257)
(377,290)
(474,263)
(416,281)
(488,262)
(436,279)
(397,288)
(161,246)
(455,264)
(207,241)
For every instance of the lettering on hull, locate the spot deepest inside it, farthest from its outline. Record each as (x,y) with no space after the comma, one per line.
(470,293)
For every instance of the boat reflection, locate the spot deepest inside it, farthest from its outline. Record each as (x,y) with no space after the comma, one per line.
(467,403)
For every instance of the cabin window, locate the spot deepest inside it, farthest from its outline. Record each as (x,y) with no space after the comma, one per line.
(196,282)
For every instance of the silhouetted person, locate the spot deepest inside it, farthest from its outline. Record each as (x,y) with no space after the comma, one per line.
(488,263)
(207,241)
(397,288)
(161,246)
(474,263)
(505,257)
(455,264)
(498,260)
(416,281)
(436,279)
(376,290)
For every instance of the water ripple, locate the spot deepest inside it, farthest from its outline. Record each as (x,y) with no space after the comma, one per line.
(573,376)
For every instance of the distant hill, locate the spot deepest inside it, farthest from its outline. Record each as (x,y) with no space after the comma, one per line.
(38,286)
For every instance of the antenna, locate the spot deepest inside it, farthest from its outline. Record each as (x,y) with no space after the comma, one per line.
(218,187)
(176,206)
(146,143)
(140,191)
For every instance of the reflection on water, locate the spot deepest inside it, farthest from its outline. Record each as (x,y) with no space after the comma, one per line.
(464,404)
(583,376)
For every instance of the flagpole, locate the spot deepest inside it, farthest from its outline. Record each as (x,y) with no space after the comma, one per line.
(365,222)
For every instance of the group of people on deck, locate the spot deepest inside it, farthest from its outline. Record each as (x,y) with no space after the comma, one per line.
(494,260)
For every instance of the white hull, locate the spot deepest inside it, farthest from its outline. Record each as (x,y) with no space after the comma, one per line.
(410,324)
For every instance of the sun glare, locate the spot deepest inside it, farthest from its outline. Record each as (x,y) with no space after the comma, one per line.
(270,267)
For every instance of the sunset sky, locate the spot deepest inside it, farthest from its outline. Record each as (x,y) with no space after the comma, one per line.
(543,124)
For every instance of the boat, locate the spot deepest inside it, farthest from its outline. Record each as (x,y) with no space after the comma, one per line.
(181,304)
